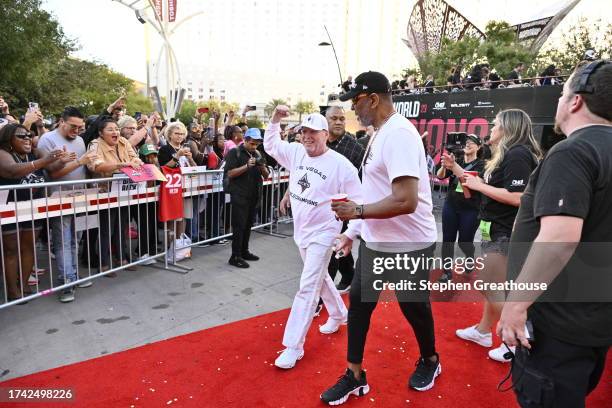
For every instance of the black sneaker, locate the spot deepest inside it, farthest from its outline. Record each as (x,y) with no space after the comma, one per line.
(346,386)
(238,262)
(343,288)
(250,257)
(425,374)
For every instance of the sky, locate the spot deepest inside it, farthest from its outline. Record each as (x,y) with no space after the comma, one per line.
(108,32)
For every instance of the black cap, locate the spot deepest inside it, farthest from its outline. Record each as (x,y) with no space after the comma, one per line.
(474,139)
(367,82)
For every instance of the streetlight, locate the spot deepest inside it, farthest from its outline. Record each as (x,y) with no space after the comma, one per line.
(326,44)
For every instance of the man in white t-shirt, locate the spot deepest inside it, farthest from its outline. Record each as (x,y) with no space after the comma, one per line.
(316,174)
(397,222)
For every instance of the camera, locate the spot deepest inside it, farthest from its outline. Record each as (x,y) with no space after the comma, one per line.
(455,143)
(260,161)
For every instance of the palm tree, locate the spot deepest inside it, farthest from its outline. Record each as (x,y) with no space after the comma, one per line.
(270,106)
(304,107)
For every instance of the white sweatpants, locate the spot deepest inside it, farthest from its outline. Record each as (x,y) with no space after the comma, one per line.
(314,283)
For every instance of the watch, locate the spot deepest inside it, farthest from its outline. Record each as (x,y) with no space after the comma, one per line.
(359,211)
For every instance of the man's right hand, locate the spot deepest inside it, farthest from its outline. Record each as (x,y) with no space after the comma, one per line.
(280,112)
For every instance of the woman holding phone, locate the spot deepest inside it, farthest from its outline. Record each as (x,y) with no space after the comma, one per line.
(460,211)
(515,155)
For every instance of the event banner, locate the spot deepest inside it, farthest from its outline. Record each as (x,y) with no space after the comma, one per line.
(474,111)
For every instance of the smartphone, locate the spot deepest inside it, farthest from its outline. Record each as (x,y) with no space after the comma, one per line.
(203,110)
(137,115)
(252,107)
(32,106)
(211,123)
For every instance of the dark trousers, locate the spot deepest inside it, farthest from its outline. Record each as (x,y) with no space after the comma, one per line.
(146,218)
(364,298)
(243,217)
(574,370)
(346,265)
(214,209)
(113,224)
(462,221)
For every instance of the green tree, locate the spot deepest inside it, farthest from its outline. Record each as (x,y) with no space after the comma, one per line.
(577,39)
(270,106)
(304,107)
(500,50)
(33,44)
(254,123)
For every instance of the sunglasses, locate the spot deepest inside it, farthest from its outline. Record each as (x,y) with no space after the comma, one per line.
(356,99)
(23,136)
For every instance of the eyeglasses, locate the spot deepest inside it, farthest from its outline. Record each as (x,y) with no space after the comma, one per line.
(74,127)
(24,135)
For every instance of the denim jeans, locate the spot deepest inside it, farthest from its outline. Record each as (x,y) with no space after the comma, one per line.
(64,248)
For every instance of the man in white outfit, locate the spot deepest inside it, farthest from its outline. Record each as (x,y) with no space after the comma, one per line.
(316,174)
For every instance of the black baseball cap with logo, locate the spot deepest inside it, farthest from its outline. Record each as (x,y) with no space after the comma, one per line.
(367,82)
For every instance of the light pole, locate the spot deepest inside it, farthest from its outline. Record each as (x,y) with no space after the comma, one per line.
(326,44)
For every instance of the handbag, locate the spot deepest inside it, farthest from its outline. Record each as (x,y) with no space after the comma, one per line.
(180,249)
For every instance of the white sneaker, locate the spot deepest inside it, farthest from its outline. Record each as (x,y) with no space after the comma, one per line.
(331,326)
(32,280)
(288,358)
(497,354)
(472,334)
(85,284)
(148,262)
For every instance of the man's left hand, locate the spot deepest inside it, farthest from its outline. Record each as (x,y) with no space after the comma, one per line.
(511,325)
(345,210)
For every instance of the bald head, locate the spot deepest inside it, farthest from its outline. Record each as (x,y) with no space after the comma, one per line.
(336,121)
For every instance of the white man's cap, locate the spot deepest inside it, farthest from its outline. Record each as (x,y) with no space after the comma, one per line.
(314,121)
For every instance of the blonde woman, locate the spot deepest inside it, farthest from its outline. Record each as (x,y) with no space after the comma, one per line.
(515,155)
(177,154)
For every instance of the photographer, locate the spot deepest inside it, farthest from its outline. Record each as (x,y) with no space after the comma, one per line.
(245,170)
(460,212)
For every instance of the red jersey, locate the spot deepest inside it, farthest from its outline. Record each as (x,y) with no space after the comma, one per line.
(171,195)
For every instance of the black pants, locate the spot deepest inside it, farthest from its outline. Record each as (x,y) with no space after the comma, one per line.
(345,265)
(461,221)
(364,298)
(243,216)
(574,370)
(146,217)
(113,223)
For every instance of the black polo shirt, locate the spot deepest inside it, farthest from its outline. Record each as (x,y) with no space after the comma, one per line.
(512,174)
(574,179)
(249,183)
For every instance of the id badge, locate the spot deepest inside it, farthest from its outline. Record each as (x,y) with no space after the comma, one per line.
(485,230)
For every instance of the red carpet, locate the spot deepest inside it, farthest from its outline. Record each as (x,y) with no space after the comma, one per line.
(231,365)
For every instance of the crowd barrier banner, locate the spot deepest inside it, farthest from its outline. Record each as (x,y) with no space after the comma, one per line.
(60,234)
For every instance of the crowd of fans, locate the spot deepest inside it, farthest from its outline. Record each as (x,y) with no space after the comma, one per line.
(76,149)
(480,76)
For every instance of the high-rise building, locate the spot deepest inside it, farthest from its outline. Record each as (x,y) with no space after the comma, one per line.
(251,51)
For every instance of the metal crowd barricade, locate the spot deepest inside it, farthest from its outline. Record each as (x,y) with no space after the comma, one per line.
(61,234)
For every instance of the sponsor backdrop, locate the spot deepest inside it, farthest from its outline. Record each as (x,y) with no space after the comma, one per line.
(474,111)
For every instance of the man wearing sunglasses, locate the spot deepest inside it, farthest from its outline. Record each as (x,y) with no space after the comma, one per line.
(66,138)
(397,222)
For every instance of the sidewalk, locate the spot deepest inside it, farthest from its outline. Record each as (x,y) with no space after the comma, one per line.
(147,305)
